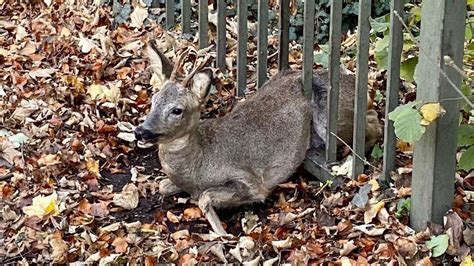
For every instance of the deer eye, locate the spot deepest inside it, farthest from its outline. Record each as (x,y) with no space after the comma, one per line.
(177,111)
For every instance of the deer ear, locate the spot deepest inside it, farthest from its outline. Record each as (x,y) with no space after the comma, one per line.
(201,84)
(160,64)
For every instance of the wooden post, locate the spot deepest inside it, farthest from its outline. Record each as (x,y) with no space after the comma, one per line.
(186,15)
(284,35)
(203,24)
(360,106)
(393,84)
(221,31)
(334,73)
(308,43)
(434,160)
(242,14)
(262,42)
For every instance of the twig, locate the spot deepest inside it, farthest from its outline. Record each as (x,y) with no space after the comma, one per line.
(449,61)
(450,99)
(6,177)
(432,62)
(353,152)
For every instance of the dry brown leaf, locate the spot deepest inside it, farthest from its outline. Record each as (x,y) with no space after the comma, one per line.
(373,210)
(60,250)
(129,198)
(120,245)
(192,213)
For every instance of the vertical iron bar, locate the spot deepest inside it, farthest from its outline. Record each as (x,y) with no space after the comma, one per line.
(308,42)
(203,24)
(434,157)
(186,15)
(169,6)
(334,74)
(393,84)
(262,42)
(242,14)
(284,28)
(221,37)
(360,106)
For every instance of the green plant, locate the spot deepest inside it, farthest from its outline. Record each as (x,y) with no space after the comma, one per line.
(411,119)
(403,208)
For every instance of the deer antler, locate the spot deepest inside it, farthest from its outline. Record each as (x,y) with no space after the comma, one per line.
(201,62)
(178,64)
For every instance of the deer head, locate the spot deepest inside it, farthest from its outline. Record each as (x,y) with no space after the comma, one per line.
(175,107)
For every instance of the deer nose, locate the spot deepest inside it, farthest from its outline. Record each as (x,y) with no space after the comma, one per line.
(142,133)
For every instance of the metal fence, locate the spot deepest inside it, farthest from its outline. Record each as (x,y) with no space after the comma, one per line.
(434,155)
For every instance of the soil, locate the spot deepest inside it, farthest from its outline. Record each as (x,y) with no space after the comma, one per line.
(154,207)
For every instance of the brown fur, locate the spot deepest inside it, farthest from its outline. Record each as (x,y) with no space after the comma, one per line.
(236,159)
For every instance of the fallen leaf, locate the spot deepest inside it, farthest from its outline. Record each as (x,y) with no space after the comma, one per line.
(42,73)
(347,248)
(93,166)
(49,160)
(42,206)
(438,244)
(375,185)
(370,229)
(373,211)
(60,250)
(138,15)
(467,261)
(120,245)
(8,151)
(85,44)
(172,217)
(192,213)
(129,198)
(96,91)
(280,244)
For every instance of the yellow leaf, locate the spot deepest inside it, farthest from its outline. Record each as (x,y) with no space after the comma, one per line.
(375,185)
(430,112)
(373,211)
(112,94)
(65,32)
(96,91)
(467,261)
(92,166)
(42,206)
(49,160)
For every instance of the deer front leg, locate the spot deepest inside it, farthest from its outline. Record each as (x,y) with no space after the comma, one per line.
(168,188)
(232,194)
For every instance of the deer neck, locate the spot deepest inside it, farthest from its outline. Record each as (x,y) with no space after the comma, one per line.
(182,156)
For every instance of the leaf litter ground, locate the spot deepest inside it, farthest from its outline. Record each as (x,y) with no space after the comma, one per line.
(76,189)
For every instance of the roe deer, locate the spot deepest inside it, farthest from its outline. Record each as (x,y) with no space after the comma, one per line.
(232,160)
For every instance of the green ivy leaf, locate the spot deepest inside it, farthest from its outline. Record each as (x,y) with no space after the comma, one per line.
(378,96)
(438,244)
(381,58)
(393,115)
(465,135)
(403,208)
(322,57)
(407,69)
(380,24)
(466,162)
(377,152)
(407,125)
